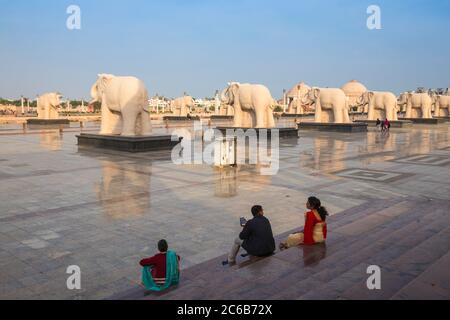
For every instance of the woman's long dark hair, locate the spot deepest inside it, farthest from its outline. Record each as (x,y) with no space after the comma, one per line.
(317,205)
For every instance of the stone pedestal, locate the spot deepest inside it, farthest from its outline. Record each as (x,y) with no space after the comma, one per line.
(225,153)
(48,123)
(282,132)
(334,127)
(129,144)
(220,117)
(394,123)
(432,121)
(444,118)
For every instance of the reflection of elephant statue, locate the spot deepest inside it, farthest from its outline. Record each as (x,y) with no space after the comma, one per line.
(181,106)
(382,105)
(124,101)
(312,255)
(226,182)
(442,105)
(226,110)
(47,105)
(331,105)
(418,105)
(50,141)
(253,105)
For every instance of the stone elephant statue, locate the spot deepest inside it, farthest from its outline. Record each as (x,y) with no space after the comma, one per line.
(226,110)
(124,101)
(442,105)
(418,105)
(182,105)
(47,105)
(295,105)
(252,103)
(331,105)
(380,105)
(111,183)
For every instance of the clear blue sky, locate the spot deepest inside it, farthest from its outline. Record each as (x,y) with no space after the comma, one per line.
(198,46)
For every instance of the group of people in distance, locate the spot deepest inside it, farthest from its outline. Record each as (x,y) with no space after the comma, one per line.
(163,269)
(384,125)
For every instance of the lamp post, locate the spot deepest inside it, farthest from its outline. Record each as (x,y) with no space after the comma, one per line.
(21,103)
(37,104)
(284,101)
(298,111)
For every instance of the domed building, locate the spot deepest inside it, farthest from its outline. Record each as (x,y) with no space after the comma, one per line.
(353,90)
(293,97)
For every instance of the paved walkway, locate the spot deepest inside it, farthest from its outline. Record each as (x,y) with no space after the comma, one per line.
(408,238)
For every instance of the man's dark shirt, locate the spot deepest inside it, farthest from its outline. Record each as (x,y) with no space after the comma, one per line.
(258,237)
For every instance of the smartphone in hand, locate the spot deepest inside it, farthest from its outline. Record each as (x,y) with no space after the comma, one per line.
(243,221)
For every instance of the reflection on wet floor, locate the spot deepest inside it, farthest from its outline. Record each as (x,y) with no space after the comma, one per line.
(331,152)
(50,141)
(118,187)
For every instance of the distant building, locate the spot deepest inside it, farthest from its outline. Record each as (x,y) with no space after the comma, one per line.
(353,90)
(159,103)
(204,105)
(294,97)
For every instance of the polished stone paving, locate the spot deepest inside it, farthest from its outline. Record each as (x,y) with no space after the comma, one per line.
(104,210)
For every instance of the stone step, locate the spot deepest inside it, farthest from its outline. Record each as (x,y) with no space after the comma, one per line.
(332,269)
(364,244)
(267,289)
(433,283)
(394,279)
(421,256)
(396,283)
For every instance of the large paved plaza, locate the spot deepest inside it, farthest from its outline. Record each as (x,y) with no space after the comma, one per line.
(105,210)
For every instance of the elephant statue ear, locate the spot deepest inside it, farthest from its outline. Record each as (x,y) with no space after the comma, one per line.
(105,76)
(103,80)
(370,94)
(234,88)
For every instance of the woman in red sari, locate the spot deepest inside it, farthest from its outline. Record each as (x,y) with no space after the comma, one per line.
(315,229)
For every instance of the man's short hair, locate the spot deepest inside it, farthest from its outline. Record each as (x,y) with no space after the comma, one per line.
(256,210)
(163,246)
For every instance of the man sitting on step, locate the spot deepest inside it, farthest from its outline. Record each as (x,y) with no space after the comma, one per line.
(162,270)
(256,237)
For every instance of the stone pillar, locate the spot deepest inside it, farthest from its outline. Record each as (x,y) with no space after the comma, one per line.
(21,103)
(216,103)
(37,106)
